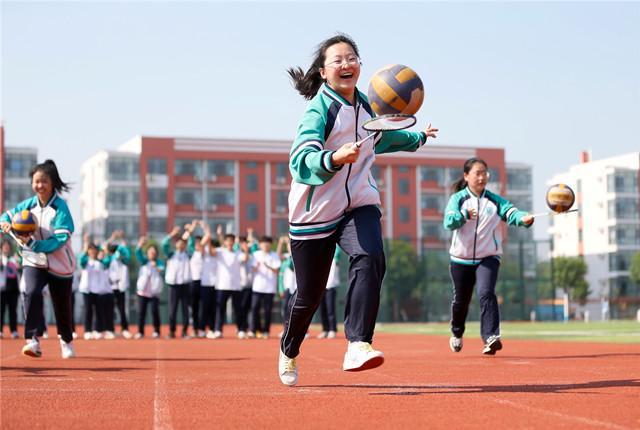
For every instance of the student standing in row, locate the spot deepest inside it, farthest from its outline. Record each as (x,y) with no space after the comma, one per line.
(9,267)
(149,286)
(119,257)
(266,265)
(178,278)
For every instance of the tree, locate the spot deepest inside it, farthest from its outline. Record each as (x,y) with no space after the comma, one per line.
(569,273)
(634,268)
(401,279)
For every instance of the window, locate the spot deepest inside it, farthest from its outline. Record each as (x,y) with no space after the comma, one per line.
(228,225)
(403,186)
(620,261)
(188,168)
(252,211)
(217,168)
(157,166)
(282,227)
(518,179)
(432,229)
(494,175)
(251,164)
(121,198)
(130,226)
(403,214)
(403,169)
(433,174)
(377,172)
(14,194)
(622,182)
(19,165)
(282,173)
(157,195)
(123,169)
(220,197)
(188,196)
(252,183)
(624,235)
(157,225)
(432,201)
(626,208)
(282,198)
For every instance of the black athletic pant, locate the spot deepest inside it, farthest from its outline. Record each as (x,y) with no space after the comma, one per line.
(359,234)
(105,312)
(286,305)
(328,310)
(60,290)
(207,316)
(179,295)
(260,301)
(9,303)
(245,308)
(483,276)
(89,301)
(143,302)
(195,304)
(222,296)
(120,298)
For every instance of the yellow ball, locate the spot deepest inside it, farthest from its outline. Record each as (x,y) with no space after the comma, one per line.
(560,198)
(396,89)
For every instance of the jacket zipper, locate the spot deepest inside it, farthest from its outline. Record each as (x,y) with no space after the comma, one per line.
(346,183)
(475,233)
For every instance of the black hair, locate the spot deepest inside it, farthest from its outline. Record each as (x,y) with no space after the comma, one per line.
(112,248)
(242,238)
(468,165)
(92,246)
(230,236)
(308,83)
(154,247)
(214,243)
(49,168)
(267,239)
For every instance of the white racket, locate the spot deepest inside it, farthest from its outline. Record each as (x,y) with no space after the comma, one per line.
(388,122)
(38,259)
(553,213)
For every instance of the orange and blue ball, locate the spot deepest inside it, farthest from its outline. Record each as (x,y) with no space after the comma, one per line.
(24,222)
(560,198)
(396,89)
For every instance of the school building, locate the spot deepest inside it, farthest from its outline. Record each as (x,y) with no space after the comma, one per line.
(15,164)
(150,184)
(605,231)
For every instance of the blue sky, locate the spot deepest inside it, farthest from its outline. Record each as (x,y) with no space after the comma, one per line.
(543,80)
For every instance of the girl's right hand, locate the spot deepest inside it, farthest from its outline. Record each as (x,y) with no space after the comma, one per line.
(6,227)
(347,153)
(473,213)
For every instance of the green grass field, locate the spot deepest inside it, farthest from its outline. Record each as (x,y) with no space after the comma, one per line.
(574,331)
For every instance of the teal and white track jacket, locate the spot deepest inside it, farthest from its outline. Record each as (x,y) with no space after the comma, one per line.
(52,237)
(320,194)
(475,239)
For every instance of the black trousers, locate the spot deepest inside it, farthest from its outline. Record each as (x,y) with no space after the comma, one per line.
(222,296)
(195,304)
(105,312)
(120,299)
(359,234)
(143,302)
(9,304)
(328,310)
(207,316)
(245,308)
(60,290)
(90,302)
(483,276)
(286,305)
(179,296)
(260,301)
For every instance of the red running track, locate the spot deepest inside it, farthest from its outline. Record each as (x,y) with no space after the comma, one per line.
(230,383)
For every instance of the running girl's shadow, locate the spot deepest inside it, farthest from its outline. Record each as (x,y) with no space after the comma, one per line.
(45,371)
(562,357)
(163,359)
(417,390)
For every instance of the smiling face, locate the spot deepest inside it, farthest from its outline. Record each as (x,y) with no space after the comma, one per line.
(341,69)
(477,178)
(42,186)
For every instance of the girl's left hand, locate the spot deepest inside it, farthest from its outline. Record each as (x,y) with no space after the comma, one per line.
(431,132)
(5,227)
(528,219)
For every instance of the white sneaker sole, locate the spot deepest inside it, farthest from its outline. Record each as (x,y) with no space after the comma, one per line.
(30,353)
(371,363)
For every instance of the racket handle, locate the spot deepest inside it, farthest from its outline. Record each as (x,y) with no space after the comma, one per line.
(359,143)
(553,213)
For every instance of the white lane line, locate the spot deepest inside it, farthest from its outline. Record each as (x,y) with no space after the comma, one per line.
(161,411)
(575,418)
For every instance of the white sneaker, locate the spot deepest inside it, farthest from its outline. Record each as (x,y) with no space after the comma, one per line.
(75,335)
(455,343)
(210,335)
(201,334)
(217,334)
(492,345)
(45,335)
(242,335)
(138,336)
(88,335)
(109,335)
(251,335)
(14,335)
(331,334)
(361,356)
(322,335)
(97,335)
(287,370)
(155,335)
(126,334)
(32,348)
(67,349)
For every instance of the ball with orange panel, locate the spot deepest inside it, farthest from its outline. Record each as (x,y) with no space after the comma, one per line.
(396,89)
(24,223)
(560,198)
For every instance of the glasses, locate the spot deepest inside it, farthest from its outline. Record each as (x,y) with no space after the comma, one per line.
(350,61)
(479,173)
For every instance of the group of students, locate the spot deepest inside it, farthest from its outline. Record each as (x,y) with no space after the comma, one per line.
(202,274)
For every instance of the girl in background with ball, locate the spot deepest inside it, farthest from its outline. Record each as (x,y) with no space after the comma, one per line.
(334,200)
(474,214)
(47,257)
